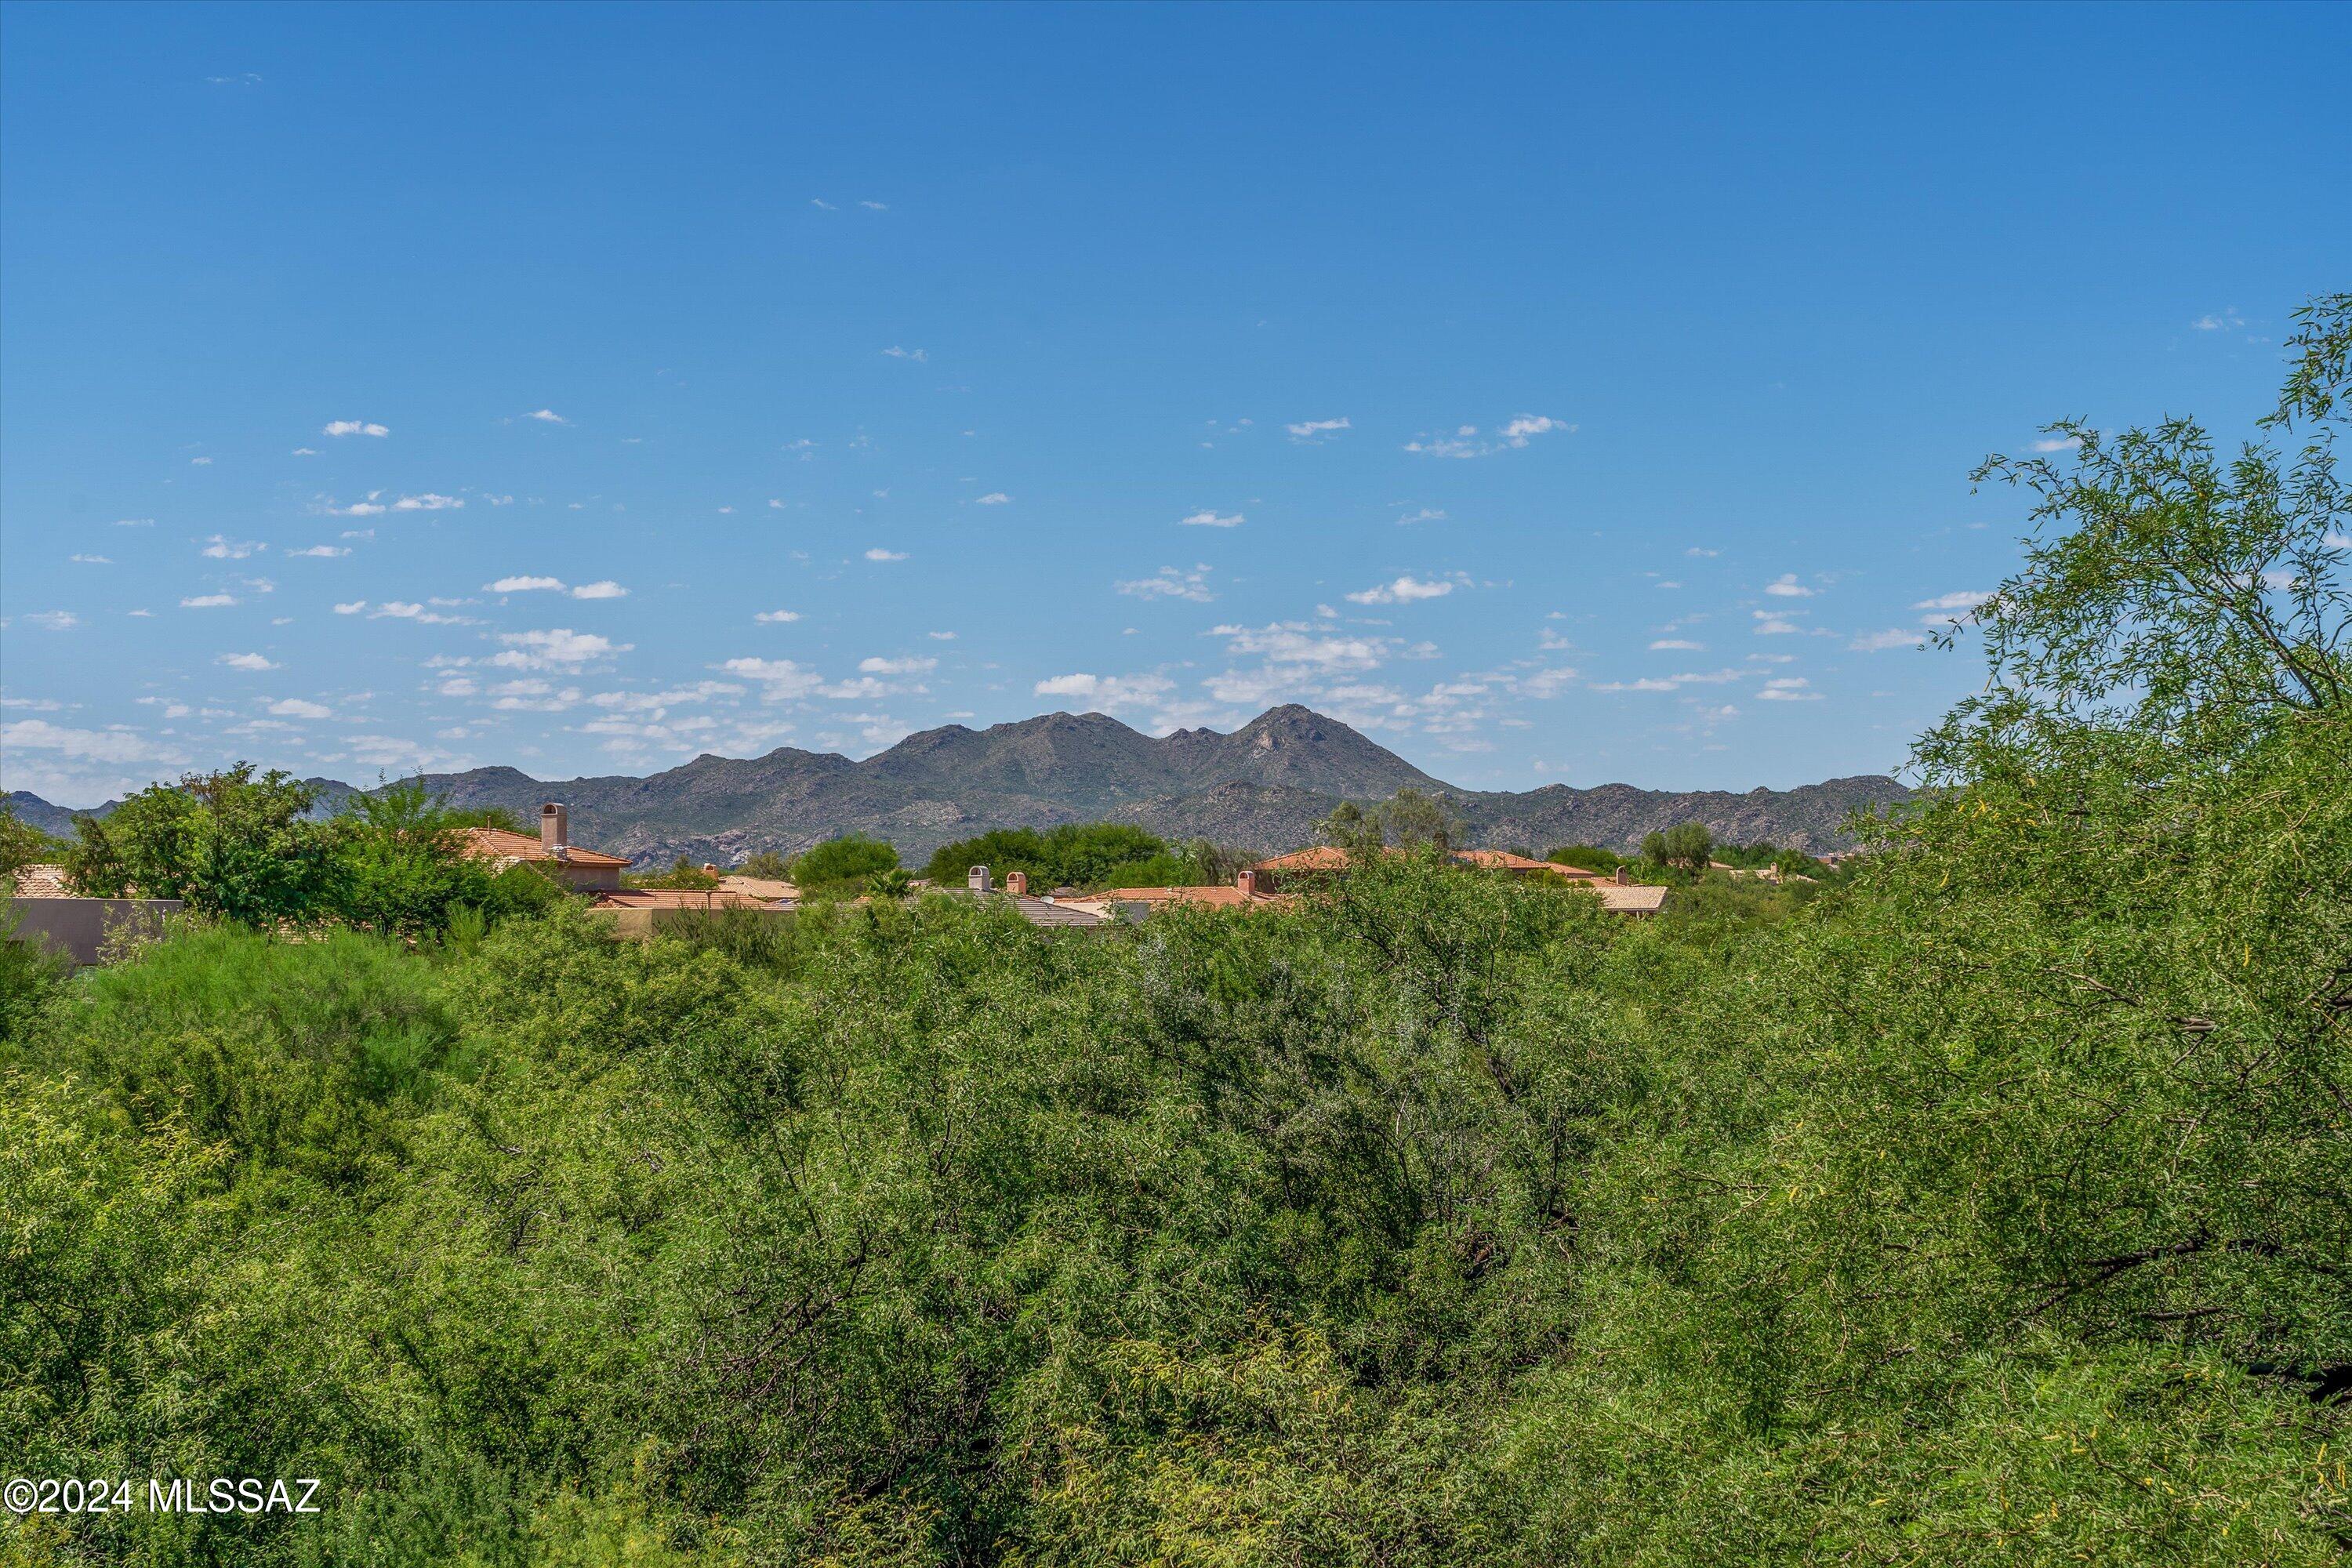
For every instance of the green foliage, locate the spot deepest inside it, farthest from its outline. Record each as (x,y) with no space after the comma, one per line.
(1686,848)
(1074,854)
(236,844)
(1408,820)
(849,859)
(768,865)
(1586,857)
(893,883)
(21,843)
(398,866)
(497,816)
(682,873)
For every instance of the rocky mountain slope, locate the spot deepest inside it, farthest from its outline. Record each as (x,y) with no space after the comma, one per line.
(1262,787)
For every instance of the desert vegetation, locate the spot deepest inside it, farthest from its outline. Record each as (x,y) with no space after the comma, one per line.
(1993,1204)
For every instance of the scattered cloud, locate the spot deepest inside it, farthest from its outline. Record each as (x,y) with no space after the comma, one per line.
(876,206)
(1426,514)
(1466,442)
(207,601)
(1206,518)
(399,610)
(561,647)
(322,551)
(1879,642)
(776,617)
(994,497)
(134,522)
(879,554)
(1406,589)
(355,427)
(1786,587)
(2220,321)
(524,585)
(352,608)
(897,665)
(220,548)
(298,708)
(92,560)
(1313,431)
(428,501)
(606,589)
(1168,583)
(1702,552)
(1108,691)
(250,662)
(1677,644)
(779,680)
(1787,689)
(547,416)
(55,620)
(918,355)
(1774,626)
(822,204)
(2058,444)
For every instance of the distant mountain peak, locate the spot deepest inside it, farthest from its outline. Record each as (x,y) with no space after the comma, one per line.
(1262,786)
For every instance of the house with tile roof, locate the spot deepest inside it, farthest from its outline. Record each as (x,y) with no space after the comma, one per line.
(582,870)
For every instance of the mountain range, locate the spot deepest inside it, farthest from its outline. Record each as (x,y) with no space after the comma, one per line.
(1262,787)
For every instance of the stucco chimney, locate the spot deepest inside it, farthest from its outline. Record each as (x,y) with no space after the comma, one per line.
(1247,881)
(1017,883)
(976,879)
(554,827)
(709,869)
(1625,878)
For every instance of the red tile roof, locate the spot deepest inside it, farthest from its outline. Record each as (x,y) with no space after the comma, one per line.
(677,898)
(498,844)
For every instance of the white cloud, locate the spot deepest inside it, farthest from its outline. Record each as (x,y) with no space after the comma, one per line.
(779,680)
(897,665)
(1207,517)
(561,646)
(1426,514)
(305,451)
(357,509)
(1787,689)
(1949,608)
(1404,591)
(296,708)
(524,585)
(1316,429)
(1170,584)
(994,497)
(1879,642)
(876,206)
(354,427)
(92,560)
(1702,552)
(134,522)
(55,620)
(428,501)
(821,203)
(2221,321)
(940,636)
(918,355)
(2058,444)
(207,601)
(220,548)
(251,661)
(118,746)
(1466,441)
(1679,645)
(1786,587)
(1108,691)
(776,617)
(353,608)
(396,610)
(547,416)
(322,551)
(879,554)
(606,589)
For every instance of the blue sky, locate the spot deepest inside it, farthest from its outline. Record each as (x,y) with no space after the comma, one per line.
(1561,396)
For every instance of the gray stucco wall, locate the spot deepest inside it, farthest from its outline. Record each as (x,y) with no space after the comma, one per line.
(80,926)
